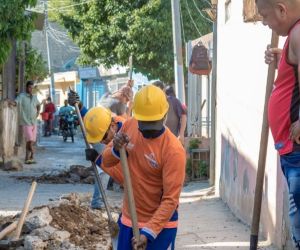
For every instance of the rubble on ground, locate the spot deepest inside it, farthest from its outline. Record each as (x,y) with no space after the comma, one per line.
(75,174)
(12,165)
(69,223)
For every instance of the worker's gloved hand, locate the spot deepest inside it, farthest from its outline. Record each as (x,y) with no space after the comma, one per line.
(120,140)
(73,98)
(91,154)
(140,244)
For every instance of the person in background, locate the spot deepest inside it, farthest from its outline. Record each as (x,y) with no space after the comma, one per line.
(28,109)
(66,109)
(176,117)
(120,102)
(283,17)
(63,111)
(50,109)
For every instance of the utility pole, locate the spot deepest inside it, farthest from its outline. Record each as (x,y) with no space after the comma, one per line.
(177,47)
(212,160)
(52,84)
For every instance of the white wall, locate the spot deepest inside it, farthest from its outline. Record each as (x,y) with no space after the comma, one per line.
(241,82)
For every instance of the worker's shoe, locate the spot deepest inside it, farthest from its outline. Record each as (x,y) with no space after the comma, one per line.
(32,161)
(28,161)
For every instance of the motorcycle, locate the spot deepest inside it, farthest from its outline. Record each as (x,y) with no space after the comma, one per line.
(68,126)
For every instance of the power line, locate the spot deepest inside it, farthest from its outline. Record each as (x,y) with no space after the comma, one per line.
(188,8)
(201,12)
(68,6)
(208,2)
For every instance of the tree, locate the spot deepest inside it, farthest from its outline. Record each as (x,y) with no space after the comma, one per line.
(14,24)
(109,31)
(35,66)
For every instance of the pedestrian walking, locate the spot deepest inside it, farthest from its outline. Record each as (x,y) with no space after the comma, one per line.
(283,110)
(50,109)
(28,110)
(156,162)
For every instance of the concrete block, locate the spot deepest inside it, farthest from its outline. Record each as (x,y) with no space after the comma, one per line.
(34,243)
(38,218)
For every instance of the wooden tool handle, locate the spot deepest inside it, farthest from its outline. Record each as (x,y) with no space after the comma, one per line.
(25,210)
(8,229)
(128,189)
(262,152)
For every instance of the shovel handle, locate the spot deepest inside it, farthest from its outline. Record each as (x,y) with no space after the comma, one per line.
(129,191)
(262,152)
(25,210)
(98,180)
(8,229)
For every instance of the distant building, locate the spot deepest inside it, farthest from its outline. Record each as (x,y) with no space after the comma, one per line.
(63,50)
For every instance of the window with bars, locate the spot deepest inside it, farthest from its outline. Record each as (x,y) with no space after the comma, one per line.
(250,12)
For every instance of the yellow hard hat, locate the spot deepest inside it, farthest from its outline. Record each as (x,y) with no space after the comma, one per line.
(96,122)
(150,104)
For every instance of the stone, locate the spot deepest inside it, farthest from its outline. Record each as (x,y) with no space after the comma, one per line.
(74,177)
(34,243)
(88,180)
(66,245)
(38,218)
(61,236)
(44,233)
(81,171)
(13,165)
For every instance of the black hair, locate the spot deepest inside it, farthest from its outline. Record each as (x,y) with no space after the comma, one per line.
(159,84)
(170,91)
(29,83)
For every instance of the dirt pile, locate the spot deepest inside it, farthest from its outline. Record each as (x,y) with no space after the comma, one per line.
(76,174)
(65,224)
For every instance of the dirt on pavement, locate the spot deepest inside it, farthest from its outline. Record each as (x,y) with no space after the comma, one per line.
(75,174)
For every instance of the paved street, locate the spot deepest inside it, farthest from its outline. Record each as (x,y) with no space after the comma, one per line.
(205,221)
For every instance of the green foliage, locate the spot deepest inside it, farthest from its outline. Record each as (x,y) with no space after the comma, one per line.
(14,24)
(194,143)
(35,66)
(203,167)
(188,167)
(109,31)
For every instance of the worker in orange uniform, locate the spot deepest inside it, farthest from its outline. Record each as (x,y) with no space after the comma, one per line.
(156,162)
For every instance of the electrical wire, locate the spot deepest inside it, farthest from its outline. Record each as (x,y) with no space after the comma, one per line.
(189,11)
(66,7)
(201,12)
(208,2)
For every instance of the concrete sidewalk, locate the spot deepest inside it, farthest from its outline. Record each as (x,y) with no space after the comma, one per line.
(52,155)
(205,222)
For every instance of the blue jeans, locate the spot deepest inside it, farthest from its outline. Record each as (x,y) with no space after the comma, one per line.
(97,201)
(290,164)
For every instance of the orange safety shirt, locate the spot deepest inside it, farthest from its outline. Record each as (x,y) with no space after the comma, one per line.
(157,168)
(116,171)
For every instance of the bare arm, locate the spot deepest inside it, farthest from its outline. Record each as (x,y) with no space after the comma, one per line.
(183,120)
